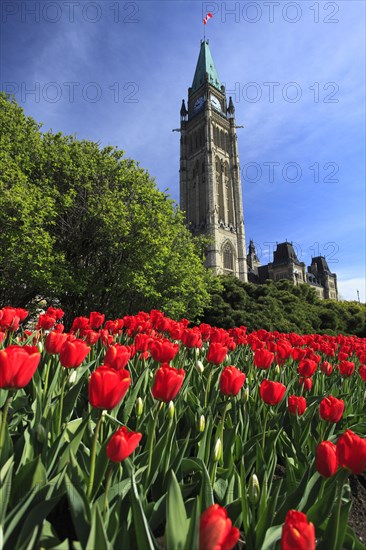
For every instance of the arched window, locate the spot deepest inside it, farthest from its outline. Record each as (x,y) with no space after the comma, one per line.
(215,132)
(228,257)
(220,189)
(229,196)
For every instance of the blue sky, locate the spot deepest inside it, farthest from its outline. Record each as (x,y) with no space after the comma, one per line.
(116,72)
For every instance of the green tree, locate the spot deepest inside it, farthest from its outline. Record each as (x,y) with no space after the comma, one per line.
(282,306)
(89,227)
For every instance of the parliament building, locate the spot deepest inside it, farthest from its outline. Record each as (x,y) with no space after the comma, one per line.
(211,189)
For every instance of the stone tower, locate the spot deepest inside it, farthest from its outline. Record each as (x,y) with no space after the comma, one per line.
(210,184)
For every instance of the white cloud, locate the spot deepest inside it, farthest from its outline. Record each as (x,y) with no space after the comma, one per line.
(347,289)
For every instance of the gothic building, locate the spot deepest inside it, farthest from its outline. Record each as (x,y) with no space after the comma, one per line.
(210,184)
(286,265)
(211,191)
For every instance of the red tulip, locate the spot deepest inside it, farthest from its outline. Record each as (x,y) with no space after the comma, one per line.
(107,387)
(346,368)
(283,351)
(351,452)
(73,353)
(9,319)
(216,530)
(362,372)
(263,358)
(54,342)
(46,322)
(326,459)
(306,382)
(331,409)
(216,353)
(80,323)
(191,338)
(167,383)
(231,381)
(142,342)
(298,354)
(307,367)
(21,313)
(17,365)
(55,312)
(296,405)
(91,336)
(271,392)
(122,444)
(117,356)
(326,368)
(163,351)
(297,532)
(96,319)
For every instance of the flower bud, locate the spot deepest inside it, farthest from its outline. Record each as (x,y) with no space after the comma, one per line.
(217,450)
(139,407)
(41,433)
(171,410)
(277,369)
(254,489)
(199,366)
(40,346)
(72,377)
(246,395)
(201,423)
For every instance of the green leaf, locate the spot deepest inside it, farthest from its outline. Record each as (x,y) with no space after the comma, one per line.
(80,511)
(73,432)
(177,525)
(320,510)
(144,537)
(6,473)
(273,534)
(129,404)
(34,520)
(98,536)
(100,468)
(30,476)
(192,542)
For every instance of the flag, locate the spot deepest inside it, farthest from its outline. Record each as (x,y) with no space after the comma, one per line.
(208,16)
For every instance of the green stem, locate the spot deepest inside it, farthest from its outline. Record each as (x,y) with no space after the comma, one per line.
(64,378)
(94,454)
(219,433)
(4,419)
(321,490)
(151,442)
(107,485)
(207,391)
(335,545)
(45,388)
(222,423)
(264,428)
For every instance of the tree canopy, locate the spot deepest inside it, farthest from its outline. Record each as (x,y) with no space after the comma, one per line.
(282,306)
(87,226)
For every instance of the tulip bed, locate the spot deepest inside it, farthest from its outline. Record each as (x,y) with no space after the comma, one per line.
(142,432)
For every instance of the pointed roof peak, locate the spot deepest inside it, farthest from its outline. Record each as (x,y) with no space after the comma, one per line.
(205,65)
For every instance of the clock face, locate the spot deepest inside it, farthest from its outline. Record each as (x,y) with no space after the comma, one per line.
(215,102)
(199,102)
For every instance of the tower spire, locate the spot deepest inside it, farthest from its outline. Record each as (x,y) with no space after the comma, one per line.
(210,183)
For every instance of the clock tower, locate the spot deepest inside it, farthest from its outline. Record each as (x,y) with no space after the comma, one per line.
(210,183)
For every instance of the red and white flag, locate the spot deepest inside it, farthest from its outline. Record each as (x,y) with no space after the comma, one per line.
(208,16)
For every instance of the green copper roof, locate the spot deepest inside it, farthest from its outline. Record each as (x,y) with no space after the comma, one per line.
(205,64)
